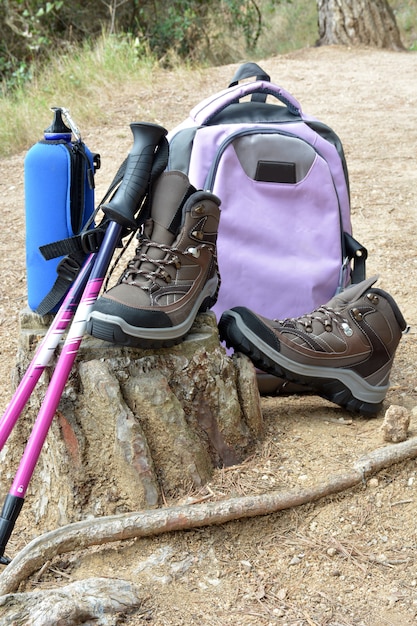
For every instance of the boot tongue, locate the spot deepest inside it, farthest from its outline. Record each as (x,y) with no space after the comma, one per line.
(168,196)
(351,293)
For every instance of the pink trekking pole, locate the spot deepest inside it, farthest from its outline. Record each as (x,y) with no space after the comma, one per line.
(44,352)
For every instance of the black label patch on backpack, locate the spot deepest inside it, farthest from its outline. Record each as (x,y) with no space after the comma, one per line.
(276,172)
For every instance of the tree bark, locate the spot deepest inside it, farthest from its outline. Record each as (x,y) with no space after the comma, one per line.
(358,23)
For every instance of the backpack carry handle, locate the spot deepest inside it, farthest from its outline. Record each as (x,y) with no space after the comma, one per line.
(208,108)
(251,70)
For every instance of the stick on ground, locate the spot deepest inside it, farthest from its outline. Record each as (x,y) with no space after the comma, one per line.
(81,535)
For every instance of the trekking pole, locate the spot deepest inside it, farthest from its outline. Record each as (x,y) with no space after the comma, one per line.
(44,352)
(121,211)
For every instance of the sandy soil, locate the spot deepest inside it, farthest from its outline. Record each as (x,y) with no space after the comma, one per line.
(344,560)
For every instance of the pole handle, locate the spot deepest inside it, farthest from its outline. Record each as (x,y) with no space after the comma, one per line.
(125,203)
(9,514)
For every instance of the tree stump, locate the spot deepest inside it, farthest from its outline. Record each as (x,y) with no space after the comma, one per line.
(134,427)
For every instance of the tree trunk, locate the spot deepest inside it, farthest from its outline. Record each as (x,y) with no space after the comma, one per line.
(358,23)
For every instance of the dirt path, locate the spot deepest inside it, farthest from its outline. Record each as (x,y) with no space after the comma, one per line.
(346,560)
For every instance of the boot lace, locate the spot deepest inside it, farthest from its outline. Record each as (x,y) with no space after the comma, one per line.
(323,314)
(171,257)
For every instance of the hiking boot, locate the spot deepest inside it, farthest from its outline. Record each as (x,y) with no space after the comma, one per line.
(174,272)
(343,350)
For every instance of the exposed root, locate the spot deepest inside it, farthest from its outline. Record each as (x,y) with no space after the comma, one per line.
(81,535)
(94,599)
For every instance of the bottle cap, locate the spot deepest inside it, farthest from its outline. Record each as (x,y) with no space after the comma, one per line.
(58,129)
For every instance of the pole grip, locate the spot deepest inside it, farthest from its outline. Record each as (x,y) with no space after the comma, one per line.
(9,514)
(124,205)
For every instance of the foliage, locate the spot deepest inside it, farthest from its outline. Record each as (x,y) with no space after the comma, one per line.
(194,30)
(25,30)
(177,26)
(30,29)
(247,17)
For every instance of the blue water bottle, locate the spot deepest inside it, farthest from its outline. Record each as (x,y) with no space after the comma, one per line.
(59,199)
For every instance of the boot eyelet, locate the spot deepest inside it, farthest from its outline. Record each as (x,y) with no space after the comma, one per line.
(373,297)
(347,329)
(357,315)
(198,234)
(194,251)
(199,209)
(165,276)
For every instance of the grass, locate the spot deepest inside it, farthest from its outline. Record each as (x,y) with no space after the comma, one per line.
(74,79)
(77,78)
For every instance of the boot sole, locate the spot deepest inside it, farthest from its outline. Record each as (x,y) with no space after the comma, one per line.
(116,330)
(343,387)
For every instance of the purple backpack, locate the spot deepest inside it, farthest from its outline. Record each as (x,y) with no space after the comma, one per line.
(285,242)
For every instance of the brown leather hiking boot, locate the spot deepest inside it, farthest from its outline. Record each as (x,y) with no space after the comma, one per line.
(173,274)
(343,350)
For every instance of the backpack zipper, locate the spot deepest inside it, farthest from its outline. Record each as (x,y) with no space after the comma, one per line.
(252,131)
(209,183)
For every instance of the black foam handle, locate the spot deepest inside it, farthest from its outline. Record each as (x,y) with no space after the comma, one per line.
(9,514)
(124,205)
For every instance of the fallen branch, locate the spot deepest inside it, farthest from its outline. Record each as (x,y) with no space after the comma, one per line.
(81,535)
